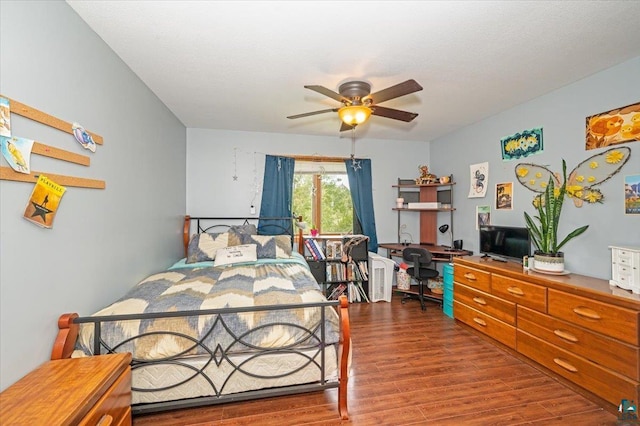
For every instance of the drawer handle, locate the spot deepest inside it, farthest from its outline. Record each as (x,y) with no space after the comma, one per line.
(480,300)
(565,335)
(480,321)
(586,312)
(564,364)
(105,420)
(470,276)
(515,290)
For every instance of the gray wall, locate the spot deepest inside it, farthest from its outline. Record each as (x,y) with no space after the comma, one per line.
(103,241)
(211,166)
(562,115)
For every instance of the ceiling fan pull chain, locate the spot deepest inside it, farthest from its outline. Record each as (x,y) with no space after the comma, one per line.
(355,164)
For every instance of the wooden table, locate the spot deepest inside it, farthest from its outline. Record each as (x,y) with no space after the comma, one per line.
(75,391)
(439,254)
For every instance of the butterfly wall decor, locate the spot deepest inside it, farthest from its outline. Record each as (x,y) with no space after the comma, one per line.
(582,180)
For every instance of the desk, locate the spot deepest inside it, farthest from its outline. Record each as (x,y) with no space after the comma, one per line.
(439,253)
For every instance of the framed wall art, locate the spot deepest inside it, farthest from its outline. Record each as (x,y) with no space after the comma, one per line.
(522,144)
(613,127)
(504,196)
(483,216)
(632,194)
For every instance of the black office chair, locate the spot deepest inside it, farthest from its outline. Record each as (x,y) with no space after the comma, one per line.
(421,259)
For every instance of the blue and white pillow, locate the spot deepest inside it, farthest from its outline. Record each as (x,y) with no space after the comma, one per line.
(204,247)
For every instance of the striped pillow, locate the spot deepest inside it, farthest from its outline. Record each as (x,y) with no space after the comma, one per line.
(270,246)
(203,247)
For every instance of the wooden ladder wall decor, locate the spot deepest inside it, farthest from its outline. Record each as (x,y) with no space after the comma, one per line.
(7,173)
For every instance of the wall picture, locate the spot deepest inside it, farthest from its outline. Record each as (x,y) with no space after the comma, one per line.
(479,179)
(43,203)
(613,127)
(483,216)
(5,117)
(632,194)
(17,152)
(522,144)
(504,196)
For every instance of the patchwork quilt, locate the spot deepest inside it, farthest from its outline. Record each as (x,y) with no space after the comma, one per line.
(201,286)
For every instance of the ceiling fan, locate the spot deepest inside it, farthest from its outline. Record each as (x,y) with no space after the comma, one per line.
(359,103)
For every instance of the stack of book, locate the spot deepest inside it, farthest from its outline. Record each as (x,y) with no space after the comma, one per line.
(338,271)
(314,249)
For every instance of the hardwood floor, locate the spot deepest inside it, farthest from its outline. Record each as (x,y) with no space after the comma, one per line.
(414,367)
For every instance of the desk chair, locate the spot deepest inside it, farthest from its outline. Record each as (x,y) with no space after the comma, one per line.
(421,259)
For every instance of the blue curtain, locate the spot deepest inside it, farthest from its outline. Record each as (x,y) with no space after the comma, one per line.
(359,173)
(277,191)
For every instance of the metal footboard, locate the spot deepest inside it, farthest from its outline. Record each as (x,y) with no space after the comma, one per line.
(220,345)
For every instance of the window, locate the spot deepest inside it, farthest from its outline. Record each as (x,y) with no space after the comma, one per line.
(321,195)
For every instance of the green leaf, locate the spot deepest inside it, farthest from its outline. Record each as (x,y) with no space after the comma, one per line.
(574,233)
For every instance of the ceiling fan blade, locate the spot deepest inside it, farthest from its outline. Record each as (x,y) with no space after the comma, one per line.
(344,127)
(307,114)
(396,91)
(395,114)
(330,93)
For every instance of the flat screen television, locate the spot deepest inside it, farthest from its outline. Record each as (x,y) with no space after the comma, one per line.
(505,242)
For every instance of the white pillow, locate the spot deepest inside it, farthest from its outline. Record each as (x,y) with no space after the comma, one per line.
(236,254)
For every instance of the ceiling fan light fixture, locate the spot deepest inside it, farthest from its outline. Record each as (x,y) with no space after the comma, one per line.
(354,114)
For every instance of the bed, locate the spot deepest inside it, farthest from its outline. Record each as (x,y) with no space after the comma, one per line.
(240,317)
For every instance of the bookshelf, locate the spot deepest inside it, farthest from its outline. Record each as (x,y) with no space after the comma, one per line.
(335,274)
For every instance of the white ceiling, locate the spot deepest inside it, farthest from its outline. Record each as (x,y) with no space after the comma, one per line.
(242,65)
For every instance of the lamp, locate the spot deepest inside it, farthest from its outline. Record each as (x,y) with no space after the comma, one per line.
(444,228)
(354,114)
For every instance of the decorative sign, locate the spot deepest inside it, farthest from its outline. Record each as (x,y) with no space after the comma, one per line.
(522,144)
(613,127)
(582,180)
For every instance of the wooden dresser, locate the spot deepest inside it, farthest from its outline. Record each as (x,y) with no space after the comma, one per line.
(77,391)
(578,327)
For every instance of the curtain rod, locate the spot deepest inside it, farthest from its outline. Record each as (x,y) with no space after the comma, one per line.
(320,159)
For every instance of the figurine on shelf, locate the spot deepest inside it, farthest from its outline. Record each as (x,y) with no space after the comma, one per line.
(425,176)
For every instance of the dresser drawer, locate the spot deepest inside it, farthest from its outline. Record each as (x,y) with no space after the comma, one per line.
(603,382)
(520,292)
(624,257)
(114,404)
(472,277)
(614,321)
(618,356)
(500,309)
(498,330)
